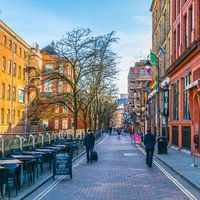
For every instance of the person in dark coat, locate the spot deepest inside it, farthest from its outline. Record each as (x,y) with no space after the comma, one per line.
(149,142)
(89,141)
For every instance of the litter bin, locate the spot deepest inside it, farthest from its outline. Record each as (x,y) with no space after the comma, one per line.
(162,145)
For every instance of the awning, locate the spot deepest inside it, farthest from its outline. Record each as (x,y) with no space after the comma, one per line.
(193,84)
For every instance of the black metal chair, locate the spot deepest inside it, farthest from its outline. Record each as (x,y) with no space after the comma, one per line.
(14,175)
(29,171)
(4,180)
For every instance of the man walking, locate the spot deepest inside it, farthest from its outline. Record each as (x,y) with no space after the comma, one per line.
(89,141)
(149,142)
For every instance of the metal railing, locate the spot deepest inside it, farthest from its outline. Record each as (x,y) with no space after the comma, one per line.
(11,142)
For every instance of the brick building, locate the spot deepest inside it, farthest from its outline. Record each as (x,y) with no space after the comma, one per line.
(184,73)
(160,39)
(13,77)
(137,81)
(64,121)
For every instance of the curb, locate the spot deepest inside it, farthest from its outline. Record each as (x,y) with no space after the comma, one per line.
(51,176)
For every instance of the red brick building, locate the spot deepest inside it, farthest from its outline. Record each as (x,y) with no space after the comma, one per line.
(137,81)
(184,72)
(64,121)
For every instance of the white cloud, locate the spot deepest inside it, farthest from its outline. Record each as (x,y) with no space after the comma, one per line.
(130,48)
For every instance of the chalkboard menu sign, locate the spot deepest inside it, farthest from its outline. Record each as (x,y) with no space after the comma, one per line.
(62,164)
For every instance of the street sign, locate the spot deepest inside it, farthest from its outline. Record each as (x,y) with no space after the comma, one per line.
(62,164)
(166,103)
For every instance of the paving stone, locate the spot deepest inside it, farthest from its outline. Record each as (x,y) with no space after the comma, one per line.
(116,176)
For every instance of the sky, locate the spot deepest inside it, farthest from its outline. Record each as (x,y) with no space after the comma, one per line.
(42,21)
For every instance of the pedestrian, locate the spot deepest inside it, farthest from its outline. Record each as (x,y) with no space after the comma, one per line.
(89,141)
(110,130)
(149,142)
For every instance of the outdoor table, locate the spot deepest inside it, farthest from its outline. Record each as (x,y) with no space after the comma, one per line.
(10,161)
(54,148)
(23,157)
(59,145)
(34,153)
(13,161)
(45,150)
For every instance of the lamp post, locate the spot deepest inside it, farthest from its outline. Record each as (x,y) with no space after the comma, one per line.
(148,65)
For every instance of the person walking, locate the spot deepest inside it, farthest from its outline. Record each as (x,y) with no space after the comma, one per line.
(89,141)
(149,142)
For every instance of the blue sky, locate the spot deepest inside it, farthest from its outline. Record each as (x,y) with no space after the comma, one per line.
(42,21)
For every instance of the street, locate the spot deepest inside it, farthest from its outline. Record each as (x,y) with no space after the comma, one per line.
(119,174)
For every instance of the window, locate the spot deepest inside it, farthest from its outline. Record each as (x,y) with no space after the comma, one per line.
(174,45)
(15,48)
(10,44)
(160,6)
(156,15)
(24,74)
(60,86)
(21,96)
(191,19)
(174,7)
(20,73)
(176,100)
(178,37)
(64,123)
(48,86)
(165,24)
(4,40)
(185,30)
(24,54)
(14,93)
(18,116)
(186,82)
(161,33)
(56,125)
(48,69)
(8,116)
(178,6)
(20,51)
(2,115)
(14,70)
(4,64)
(8,95)
(13,116)
(142,72)
(3,90)
(65,110)
(9,66)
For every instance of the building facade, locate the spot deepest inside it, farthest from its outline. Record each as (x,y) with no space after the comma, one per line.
(13,58)
(184,73)
(158,103)
(138,78)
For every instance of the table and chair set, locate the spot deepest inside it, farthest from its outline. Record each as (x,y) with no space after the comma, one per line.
(21,168)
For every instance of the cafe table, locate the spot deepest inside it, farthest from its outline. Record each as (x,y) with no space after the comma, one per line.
(13,161)
(53,148)
(23,157)
(46,150)
(33,153)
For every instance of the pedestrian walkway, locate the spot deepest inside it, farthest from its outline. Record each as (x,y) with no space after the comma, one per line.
(181,163)
(119,174)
